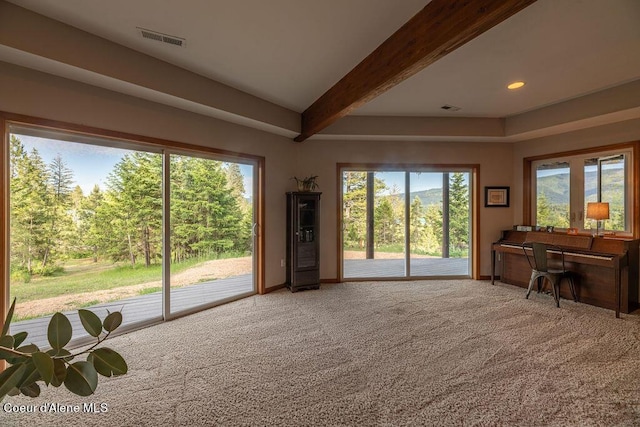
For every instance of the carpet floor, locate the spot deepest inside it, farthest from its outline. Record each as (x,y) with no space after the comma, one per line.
(436,353)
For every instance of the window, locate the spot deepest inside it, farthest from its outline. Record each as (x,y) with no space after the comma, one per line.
(407,221)
(563,185)
(110,224)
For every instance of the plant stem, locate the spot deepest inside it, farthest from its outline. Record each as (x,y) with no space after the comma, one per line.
(14,352)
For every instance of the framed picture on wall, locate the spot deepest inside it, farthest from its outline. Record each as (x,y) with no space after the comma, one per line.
(496,197)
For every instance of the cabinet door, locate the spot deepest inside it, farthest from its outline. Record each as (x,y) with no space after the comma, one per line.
(307,233)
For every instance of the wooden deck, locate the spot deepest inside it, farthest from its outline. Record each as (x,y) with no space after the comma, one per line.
(420,267)
(144,307)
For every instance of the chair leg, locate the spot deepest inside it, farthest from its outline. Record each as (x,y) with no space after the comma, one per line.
(533,279)
(555,286)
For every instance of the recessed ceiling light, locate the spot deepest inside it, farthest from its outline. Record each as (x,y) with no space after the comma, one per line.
(515,85)
(450,107)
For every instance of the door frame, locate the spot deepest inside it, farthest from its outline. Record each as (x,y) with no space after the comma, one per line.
(474,200)
(127,140)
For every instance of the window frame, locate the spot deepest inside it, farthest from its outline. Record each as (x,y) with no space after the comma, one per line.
(474,200)
(632,198)
(117,139)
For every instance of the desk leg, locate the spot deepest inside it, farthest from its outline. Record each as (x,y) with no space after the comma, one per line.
(493,266)
(618,291)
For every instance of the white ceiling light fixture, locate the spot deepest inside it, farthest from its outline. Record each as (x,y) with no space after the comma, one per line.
(516,85)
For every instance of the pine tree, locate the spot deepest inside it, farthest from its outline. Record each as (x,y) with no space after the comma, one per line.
(417,230)
(354,208)
(30,206)
(459,215)
(134,206)
(207,218)
(92,225)
(384,222)
(60,224)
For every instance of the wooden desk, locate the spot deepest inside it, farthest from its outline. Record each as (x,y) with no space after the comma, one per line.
(606,268)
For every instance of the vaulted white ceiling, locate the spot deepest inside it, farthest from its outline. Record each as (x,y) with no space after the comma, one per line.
(290,52)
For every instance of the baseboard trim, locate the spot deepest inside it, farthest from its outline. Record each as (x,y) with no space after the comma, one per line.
(274,288)
(329,281)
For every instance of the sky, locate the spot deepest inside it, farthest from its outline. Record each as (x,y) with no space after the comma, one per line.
(91,164)
(419,181)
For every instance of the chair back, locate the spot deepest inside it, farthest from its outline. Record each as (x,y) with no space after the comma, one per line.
(538,259)
(536,254)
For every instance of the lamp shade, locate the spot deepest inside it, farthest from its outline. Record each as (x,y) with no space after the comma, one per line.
(598,210)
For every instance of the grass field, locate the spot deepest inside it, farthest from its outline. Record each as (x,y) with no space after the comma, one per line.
(86,276)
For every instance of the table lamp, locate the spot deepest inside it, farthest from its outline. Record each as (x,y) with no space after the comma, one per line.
(598,211)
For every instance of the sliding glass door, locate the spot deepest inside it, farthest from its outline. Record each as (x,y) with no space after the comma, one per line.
(211,231)
(85,230)
(107,224)
(408,223)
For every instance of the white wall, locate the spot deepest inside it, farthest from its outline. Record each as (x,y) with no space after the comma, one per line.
(24,91)
(29,92)
(615,133)
(320,158)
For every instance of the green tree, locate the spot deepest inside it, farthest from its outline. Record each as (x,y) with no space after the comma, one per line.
(433,229)
(384,220)
(548,214)
(206,216)
(235,185)
(458,215)
(93,226)
(417,227)
(30,206)
(133,204)
(59,232)
(354,208)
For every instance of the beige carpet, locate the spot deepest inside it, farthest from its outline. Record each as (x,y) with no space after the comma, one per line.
(457,352)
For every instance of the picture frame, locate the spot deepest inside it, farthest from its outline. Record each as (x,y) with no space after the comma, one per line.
(496,197)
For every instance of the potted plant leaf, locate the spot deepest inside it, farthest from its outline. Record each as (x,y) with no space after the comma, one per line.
(28,365)
(307,184)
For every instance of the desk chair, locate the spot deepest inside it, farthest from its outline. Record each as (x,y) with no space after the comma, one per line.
(536,254)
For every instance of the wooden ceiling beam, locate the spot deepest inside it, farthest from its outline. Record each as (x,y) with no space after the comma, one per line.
(438,29)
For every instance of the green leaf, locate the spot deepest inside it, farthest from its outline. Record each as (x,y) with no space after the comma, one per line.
(91,322)
(7,341)
(44,365)
(59,332)
(7,320)
(107,362)
(11,358)
(112,321)
(29,348)
(10,378)
(82,378)
(31,390)
(59,372)
(19,338)
(31,374)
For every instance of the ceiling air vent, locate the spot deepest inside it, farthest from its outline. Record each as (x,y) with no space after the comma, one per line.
(164,38)
(450,107)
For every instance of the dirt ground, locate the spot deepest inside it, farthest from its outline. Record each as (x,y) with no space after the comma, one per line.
(210,270)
